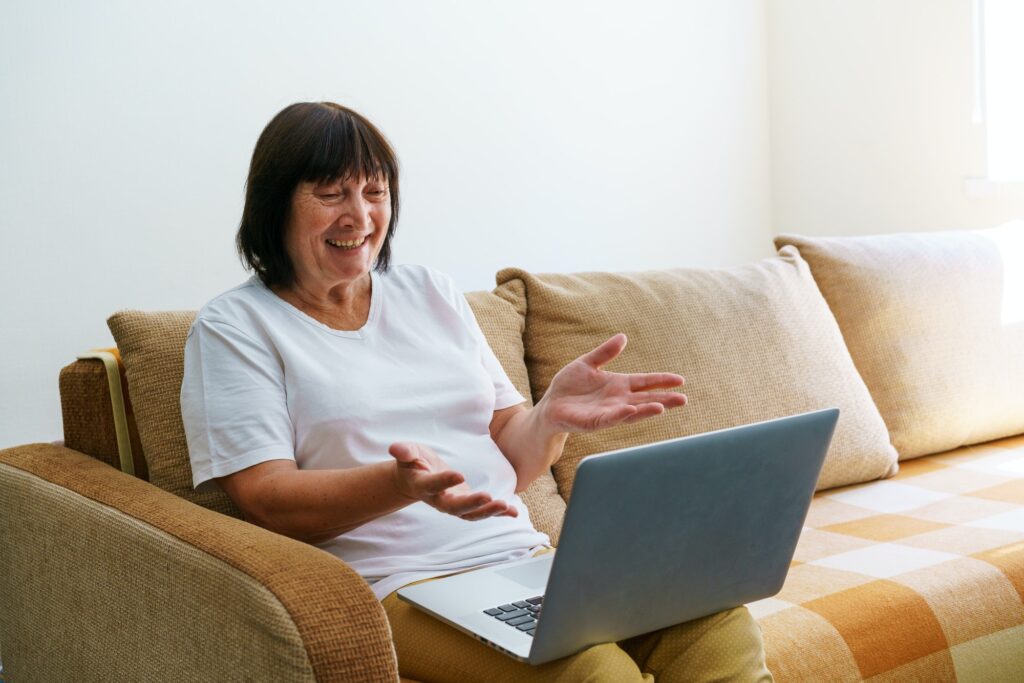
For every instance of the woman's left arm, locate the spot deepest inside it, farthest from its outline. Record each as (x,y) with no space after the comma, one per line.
(581,398)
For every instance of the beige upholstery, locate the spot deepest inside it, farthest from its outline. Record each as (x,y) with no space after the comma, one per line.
(754,343)
(105,577)
(88,418)
(152,346)
(97,562)
(935,325)
(917,578)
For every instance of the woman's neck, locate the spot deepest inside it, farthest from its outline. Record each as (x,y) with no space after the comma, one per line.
(342,307)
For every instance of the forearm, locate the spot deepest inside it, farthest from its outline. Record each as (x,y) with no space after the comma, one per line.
(317,505)
(531,444)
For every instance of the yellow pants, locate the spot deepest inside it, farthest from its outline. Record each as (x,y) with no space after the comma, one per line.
(722,647)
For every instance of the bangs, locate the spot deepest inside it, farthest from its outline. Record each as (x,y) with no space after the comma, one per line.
(348,148)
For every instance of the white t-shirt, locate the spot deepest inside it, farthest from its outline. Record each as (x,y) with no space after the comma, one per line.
(264,381)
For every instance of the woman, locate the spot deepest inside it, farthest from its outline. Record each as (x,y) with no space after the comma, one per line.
(346,403)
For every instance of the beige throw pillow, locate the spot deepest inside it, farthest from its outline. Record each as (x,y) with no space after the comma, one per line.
(754,343)
(152,347)
(935,325)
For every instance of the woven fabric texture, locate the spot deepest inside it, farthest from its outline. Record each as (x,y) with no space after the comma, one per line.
(916,578)
(88,417)
(85,409)
(192,592)
(950,307)
(754,343)
(152,347)
(502,317)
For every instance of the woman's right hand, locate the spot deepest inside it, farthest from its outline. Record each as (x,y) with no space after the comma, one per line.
(422,475)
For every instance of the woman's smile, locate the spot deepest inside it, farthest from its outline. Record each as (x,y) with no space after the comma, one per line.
(347,245)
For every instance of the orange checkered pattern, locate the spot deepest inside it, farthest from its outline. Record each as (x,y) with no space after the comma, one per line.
(915,578)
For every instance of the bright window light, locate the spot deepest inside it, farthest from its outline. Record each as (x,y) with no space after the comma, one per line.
(1002,28)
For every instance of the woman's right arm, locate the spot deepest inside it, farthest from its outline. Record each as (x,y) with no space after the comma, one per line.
(316,505)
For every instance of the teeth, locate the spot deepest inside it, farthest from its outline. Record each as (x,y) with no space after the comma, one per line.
(347,245)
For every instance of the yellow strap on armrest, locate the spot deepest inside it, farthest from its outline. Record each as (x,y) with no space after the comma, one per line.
(124,442)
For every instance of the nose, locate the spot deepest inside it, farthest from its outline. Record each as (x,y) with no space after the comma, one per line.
(356,214)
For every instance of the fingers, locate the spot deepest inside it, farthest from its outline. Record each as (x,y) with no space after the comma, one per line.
(606,352)
(474,506)
(407,454)
(438,488)
(435,484)
(644,411)
(655,380)
(630,413)
(496,508)
(669,399)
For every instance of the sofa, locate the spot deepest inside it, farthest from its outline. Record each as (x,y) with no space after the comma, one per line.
(910,565)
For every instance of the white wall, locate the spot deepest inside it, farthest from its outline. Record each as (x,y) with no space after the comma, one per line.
(871,118)
(551,136)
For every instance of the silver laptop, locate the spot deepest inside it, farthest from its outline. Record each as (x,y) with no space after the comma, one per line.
(653,536)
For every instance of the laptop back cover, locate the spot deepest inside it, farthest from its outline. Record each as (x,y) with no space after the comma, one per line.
(662,534)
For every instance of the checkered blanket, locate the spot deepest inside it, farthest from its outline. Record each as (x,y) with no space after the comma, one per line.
(915,578)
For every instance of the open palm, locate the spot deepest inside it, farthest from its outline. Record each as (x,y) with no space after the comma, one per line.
(584,398)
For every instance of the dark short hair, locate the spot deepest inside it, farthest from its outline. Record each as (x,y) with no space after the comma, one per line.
(307,142)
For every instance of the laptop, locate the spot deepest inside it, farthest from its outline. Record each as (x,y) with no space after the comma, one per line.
(653,536)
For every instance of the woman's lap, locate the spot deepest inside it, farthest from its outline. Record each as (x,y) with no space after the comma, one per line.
(722,647)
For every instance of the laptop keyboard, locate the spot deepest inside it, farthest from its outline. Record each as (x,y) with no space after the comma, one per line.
(522,614)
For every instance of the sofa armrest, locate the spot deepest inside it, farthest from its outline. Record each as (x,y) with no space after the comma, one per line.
(104,576)
(90,418)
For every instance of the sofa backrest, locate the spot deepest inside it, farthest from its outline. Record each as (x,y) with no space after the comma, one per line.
(754,342)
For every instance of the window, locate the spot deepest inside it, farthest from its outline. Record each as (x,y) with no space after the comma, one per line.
(999,85)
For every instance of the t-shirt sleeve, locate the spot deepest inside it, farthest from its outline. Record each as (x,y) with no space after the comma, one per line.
(233,402)
(505,393)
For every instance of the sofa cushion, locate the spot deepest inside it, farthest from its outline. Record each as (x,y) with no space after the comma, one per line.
(754,343)
(917,578)
(152,347)
(935,325)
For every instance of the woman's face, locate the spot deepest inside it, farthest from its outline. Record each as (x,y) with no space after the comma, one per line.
(336,229)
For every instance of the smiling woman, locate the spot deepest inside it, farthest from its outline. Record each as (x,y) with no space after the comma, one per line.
(354,405)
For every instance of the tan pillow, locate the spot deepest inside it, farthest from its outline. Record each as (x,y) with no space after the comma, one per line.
(152,346)
(754,343)
(935,324)
(502,317)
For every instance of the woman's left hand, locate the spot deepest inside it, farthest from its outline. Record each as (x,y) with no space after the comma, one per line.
(584,398)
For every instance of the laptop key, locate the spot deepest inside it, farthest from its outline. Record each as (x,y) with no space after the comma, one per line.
(527,626)
(535,601)
(530,632)
(520,620)
(493,612)
(522,604)
(513,615)
(507,608)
